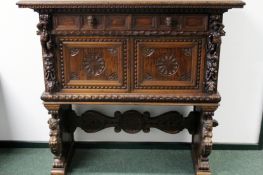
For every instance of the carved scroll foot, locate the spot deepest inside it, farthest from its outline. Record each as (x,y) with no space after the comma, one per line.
(202,140)
(61,137)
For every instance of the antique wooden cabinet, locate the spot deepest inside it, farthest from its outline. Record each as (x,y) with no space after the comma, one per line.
(130,52)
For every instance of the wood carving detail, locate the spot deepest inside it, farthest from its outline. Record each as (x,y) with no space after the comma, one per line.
(165,62)
(43,26)
(185,77)
(74,76)
(129,98)
(94,64)
(148,76)
(74,52)
(130,33)
(133,122)
(148,51)
(167,65)
(113,51)
(113,76)
(213,49)
(125,8)
(207,124)
(187,52)
(142,53)
(55,141)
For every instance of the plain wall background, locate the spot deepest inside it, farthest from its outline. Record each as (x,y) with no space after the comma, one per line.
(23,117)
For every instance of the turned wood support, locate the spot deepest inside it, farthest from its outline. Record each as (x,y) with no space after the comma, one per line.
(61,137)
(202,139)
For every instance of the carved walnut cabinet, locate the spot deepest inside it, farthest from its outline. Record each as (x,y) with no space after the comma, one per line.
(130,52)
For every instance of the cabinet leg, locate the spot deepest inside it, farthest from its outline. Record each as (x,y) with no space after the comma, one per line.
(61,137)
(202,139)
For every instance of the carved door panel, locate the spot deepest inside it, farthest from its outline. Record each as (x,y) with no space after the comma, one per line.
(93,64)
(168,64)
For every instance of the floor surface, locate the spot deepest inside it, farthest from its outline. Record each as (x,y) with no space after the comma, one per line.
(37,161)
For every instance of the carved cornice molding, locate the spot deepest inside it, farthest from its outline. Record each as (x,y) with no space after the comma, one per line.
(129,98)
(181,6)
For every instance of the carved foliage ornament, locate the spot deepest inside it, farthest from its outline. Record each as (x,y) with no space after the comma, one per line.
(74,52)
(187,52)
(212,55)
(48,55)
(148,52)
(113,51)
(113,76)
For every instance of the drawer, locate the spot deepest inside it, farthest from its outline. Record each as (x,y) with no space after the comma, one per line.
(96,64)
(168,64)
(128,22)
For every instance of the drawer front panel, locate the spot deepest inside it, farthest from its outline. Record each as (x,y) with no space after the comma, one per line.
(144,22)
(67,22)
(194,23)
(126,22)
(93,63)
(117,22)
(168,64)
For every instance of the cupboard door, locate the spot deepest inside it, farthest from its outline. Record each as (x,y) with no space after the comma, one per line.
(168,64)
(93,64)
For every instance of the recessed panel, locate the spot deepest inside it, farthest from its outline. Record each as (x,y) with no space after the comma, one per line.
(94,63)
(117,22)
(144,22)
(195,23)
(167,64)
(69,22)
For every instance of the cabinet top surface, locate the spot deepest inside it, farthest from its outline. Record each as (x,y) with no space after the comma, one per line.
(84,3)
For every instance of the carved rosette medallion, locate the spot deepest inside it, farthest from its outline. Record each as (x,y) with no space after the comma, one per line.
(44,26)
(167,65)
(212,55)
(94,65)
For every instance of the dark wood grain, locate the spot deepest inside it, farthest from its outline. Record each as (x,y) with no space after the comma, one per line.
(131,52)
